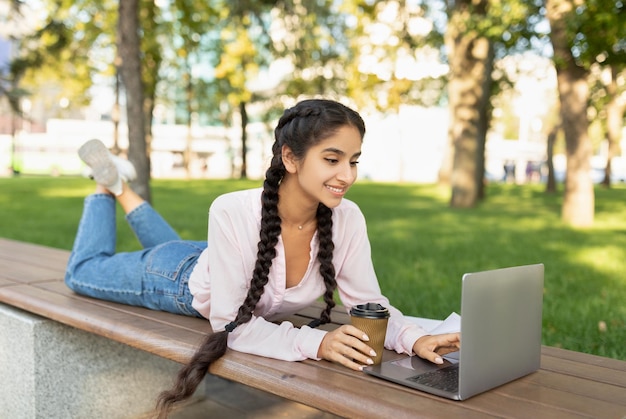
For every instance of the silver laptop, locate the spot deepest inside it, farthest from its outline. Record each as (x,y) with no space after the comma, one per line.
(501,314)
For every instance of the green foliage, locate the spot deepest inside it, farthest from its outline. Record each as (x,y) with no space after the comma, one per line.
(597,32)
(313,37)
(420,246)
(66,50)
(382,37)
(153,31)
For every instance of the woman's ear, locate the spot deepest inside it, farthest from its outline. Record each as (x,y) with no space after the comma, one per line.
(289,160)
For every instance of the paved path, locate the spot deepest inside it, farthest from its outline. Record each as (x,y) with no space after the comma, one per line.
(227,399)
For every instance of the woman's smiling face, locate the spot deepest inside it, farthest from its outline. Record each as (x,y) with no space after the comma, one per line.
(330,167)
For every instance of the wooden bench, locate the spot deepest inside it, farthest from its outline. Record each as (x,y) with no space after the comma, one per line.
(568,384)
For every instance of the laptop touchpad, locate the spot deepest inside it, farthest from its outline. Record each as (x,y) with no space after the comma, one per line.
(418,364)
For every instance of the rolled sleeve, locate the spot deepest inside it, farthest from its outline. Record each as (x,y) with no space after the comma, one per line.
(280,341)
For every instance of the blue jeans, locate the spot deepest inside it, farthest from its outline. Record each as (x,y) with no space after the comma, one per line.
(156,277)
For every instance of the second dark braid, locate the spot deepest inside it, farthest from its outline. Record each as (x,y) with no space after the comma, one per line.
(325,257)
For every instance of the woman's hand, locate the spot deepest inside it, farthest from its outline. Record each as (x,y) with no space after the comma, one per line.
(345,346)
(431,347)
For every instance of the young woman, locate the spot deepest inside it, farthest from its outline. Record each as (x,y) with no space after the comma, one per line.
(270,252)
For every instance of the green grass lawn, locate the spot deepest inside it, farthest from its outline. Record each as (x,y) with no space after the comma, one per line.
(420,246)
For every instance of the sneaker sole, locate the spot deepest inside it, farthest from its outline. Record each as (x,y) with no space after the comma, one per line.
(96,156)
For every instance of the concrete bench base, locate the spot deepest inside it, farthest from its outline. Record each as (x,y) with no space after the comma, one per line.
(50,370)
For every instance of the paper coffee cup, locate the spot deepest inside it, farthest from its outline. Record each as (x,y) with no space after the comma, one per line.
(371,319)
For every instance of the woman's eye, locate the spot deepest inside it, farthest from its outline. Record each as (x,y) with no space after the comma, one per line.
(332,161)
(354,163)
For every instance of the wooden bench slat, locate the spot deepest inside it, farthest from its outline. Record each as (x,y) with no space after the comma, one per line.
(578,387)
(588,359)
(27,274)
(589,371)
(33,254)
(583,404)
(191,323)
(503,398)
(333,391)
(388,399)
(313,312)
(173,343)
(6,282)
(507,399)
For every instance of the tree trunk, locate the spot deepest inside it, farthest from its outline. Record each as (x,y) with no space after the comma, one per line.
(148,110)
(578,200)
(471,64)
(189,139)
(115,113)
(614,116)
(445,170)
(151,62)
(244,139)
(130,67)
(551,183)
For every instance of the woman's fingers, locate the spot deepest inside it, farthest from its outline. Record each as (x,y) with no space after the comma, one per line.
(431,347)
(346,346)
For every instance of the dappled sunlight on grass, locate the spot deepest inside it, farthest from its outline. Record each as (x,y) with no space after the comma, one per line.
(78,192)
(607,259)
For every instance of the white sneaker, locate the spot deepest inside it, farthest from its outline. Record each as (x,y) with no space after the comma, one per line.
(106,169)
(125,168)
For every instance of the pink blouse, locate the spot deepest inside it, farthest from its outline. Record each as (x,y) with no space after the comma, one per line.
(220,281)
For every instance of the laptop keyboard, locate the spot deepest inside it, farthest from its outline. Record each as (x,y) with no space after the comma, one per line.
(446,379)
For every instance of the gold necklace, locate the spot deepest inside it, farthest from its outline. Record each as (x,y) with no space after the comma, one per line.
(301,226)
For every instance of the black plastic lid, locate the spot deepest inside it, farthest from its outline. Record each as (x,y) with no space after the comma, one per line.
(370,311)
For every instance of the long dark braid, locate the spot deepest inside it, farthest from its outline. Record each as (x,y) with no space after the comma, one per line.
(325,257)
(300,127)
(214,345)
(270,230)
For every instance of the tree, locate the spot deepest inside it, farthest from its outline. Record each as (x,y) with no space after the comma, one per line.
(10,90)
(578,203)
(597,36)
(606,113)
(615,109)
(469,90)
(128,46)
(470,35)
(551,182)
(586,36)
(76,42)
(13,93)
(152,32)
(479,32)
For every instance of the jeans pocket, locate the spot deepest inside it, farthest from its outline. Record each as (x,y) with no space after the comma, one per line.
(167,260)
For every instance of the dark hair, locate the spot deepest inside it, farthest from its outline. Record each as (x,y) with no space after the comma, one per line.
(299,128)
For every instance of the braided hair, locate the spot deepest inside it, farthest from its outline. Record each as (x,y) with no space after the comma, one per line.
(299,128)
